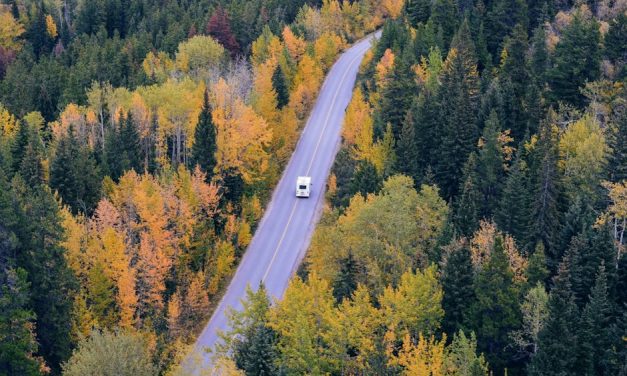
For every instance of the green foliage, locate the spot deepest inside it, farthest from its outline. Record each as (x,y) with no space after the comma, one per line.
(576,61)
(279,84)
(418,11)
(205,146)
(459,293)
(111,353)
(495,312)
(366,179)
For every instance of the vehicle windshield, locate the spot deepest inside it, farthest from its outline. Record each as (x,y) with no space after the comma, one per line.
(302,187)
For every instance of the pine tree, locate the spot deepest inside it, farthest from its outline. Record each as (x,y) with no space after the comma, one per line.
(576,60)
(53,284)
(514,67)
(539,59)
(19,144)
(617,165)
(102,297)
(366,179)
(513,215)
(536,269)
(501,17)
(597,350)
(205,146)
(257,353)
(113,151)
(418,11)
(31,168)
(467,207)
(495,311)
(279,84)
(459,96)
(407,151)
(346,281)
(444,14)
(425,115)
(18,343)
(490,170)
(545,217)
(397,96)
(458,285)
(615,48)
(131,144)
(557,344)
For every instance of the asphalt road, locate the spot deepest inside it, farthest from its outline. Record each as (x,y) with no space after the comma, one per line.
(284,232)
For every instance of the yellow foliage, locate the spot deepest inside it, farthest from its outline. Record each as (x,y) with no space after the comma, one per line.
(264,97)
(425,358)
(295,46)
(358,125)
(482,246)
(8,123)
(616,213)
(326,49)
(158,66)
(392,8)
(199,53)
(51,27)
(384,67)
(244,235)
(242,135)
(10,30)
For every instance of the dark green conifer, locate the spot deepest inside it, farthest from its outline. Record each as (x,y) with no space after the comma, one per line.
(459,294)
(205,146)
(279,83)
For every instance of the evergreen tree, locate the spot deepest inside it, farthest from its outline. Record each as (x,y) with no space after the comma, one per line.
(19,145)
(459,96)
(501,18)
(205,146)
(513,214)
(495,311)
(279,84)
(17,344)
(615,48)
(418,11)
(545,217)
(536,269)
(366,179)
(467,206)
(577,60)
(617,165)
(514,67)
(425,116)
(490,170)
(114,149)
(397,96)
(597,342)
(131,144)
(557,344)
(346,281)
(457,283)
(102,297)
(74,175)
(444,14)
(407,150)
(53,284)
(539,59)
(31,168)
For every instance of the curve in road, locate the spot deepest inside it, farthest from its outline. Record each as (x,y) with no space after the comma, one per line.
(285,230)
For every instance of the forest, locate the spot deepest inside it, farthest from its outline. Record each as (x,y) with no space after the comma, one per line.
(475,218)
(475,214)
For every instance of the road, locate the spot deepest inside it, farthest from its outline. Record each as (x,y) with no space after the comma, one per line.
(285,230)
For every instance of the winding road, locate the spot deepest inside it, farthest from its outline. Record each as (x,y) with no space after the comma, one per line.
(285,230)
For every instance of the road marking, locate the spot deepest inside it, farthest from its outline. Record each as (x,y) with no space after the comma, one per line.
(313,157)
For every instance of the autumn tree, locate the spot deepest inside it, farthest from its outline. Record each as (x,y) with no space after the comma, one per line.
(219,27)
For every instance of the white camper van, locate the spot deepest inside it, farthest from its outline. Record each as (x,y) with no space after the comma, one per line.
(303,186)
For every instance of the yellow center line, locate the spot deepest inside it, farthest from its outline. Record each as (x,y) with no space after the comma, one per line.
(326,123)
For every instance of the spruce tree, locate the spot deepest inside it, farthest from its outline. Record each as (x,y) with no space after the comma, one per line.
(366,179)
(397,96)
(557,344)
(495,311)
(425,115)
(345,282)
(457,282)
(257,354)
(52,282)
(536,268)
(577,60)
(501,17)
(514,212)
(615,48)
(617,166)
(514,67)
(445,15)
(597,337)
(31,168)
(19,144)
(407,150)
(459,96)
(546,216)
(279,84)
(114,149)
(418,11)
(490,170)
(205,146)
(467,207)
(131,144)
